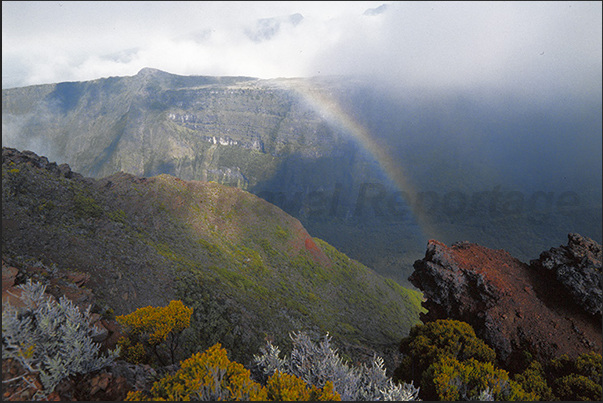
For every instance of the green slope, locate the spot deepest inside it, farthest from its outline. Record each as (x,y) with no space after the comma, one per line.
(250,270)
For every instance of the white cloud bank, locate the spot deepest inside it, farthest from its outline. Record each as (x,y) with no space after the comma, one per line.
(535,47)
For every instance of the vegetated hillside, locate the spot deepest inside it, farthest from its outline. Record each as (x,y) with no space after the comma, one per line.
(496,170)
(249,270)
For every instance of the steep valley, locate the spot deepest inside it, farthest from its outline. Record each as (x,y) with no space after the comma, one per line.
(374,170)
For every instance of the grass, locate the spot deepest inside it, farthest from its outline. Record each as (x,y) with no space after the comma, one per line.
(227,252)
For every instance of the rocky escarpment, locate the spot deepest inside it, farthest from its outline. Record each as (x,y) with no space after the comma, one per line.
(32,159)
(311,145)
(577,267)
(192,127)
(511,304)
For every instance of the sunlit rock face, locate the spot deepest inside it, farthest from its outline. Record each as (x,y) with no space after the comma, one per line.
(192,127)
(513,306)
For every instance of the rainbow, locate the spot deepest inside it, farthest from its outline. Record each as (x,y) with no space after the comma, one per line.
(328,107)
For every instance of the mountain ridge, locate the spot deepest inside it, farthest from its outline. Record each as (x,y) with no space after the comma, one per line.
(311,145)
(145,241)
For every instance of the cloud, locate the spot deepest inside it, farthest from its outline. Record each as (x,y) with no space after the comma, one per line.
(523,46)
(538,48)
(45,42)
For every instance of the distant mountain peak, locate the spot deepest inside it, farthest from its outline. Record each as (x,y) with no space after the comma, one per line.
(149,71)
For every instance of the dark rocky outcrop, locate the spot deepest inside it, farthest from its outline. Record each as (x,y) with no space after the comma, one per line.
(14,156)
(510,304)
(577,267)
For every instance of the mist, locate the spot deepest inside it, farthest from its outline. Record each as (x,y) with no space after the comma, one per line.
(511,87)
(539,49)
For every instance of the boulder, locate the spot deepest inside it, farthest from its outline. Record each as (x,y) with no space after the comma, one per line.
(9,275)
(577,269)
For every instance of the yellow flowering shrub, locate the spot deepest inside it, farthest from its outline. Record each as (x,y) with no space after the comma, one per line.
(150,327)
(212,376)
(132,352)
(454,381)
(285,387)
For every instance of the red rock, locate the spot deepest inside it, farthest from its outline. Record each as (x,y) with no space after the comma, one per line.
(101,333)
(9,274)
(12,296)
(104,381)
(114,333)
(508,304)
(111,325)
(82,297)
(94,390)
(94,318)
(78,278)
(310,245)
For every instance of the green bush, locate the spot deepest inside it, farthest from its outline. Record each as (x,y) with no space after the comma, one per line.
(468,380)
(86,207)
(118,216)
(590,366)
(575,387)
(533,379)
(449,362)
(428,343)
(578,379)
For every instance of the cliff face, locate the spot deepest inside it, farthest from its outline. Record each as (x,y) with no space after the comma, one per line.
(263,136)
(232,130)
(514,306)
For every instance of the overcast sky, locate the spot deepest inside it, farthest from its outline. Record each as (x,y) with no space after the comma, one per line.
(535,47)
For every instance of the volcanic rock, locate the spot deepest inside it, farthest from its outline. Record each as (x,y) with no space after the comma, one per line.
(9,274)
(507,302)
(577,268)
(30,158)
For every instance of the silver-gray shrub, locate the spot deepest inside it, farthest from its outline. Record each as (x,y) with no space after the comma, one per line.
(317,363)
(52,339)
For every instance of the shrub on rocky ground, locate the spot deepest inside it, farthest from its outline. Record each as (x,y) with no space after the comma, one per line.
(318,363)
(49,339)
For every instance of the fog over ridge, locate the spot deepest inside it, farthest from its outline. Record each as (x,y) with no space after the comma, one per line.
(537,48)
(515,81)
